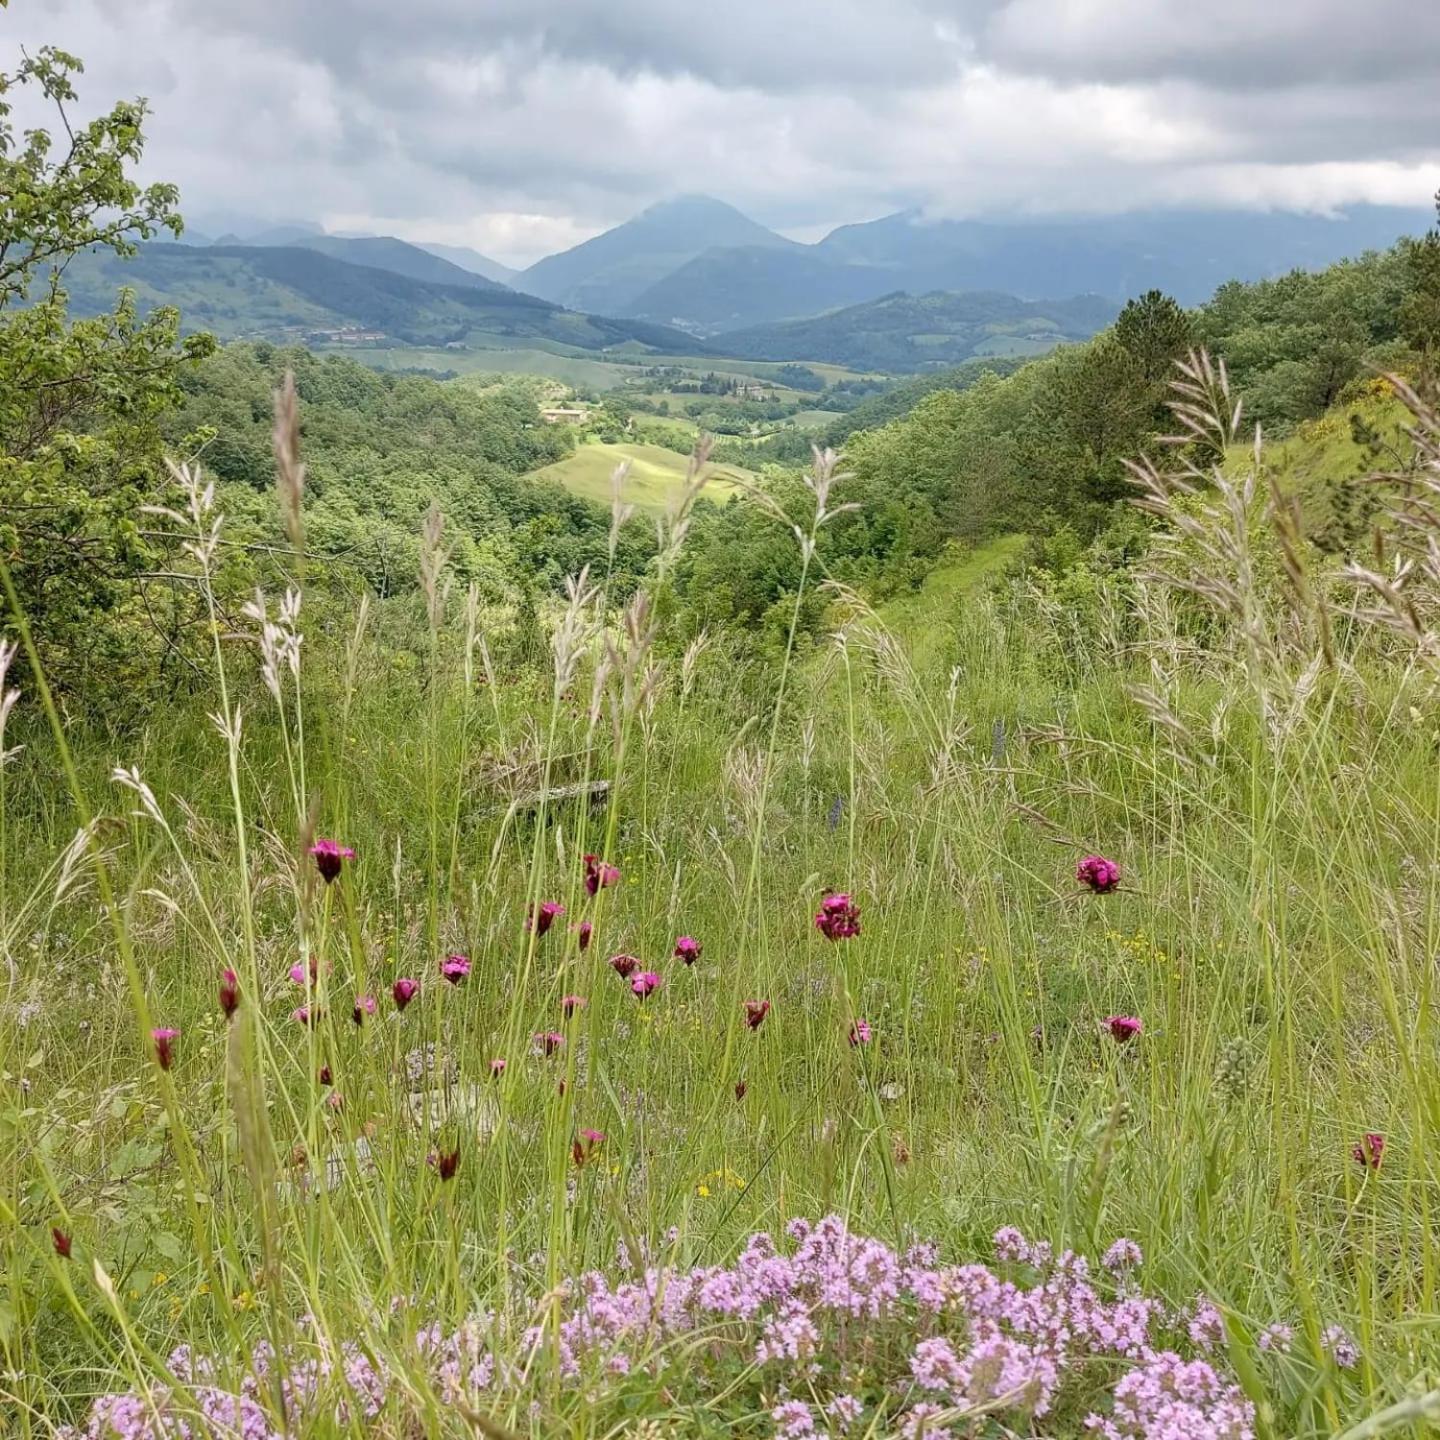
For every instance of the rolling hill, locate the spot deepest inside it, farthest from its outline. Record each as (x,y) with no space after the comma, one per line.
(607,273)
(906,333)
(472,260)
(384,252)
(289,292)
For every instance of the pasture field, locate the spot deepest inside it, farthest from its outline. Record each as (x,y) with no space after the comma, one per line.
(656,474)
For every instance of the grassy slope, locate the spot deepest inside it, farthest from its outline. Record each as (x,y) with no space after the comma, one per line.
(655,474)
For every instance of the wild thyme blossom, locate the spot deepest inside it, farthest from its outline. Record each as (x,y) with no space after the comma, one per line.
(1037,1337)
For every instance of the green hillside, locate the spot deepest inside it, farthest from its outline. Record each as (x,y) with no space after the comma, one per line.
(286,293)
(904,333)
(656,474)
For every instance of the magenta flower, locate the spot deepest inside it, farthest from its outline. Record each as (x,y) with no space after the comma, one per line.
(860,1033)
(297,972)
(572,1003)
(61,1241)
(364,1005)
(687,948)
(497,1068)
(1099,874)
(326,1076)
(1124,1027)
(447,1162)
(755,1013)
(1370,1151)
(543,916)
(164,1041)
(455,968)
(306,1015)
(645,984)
(403,991)
(581,1152)
(330,856)
(548,1042)
(229,993)
(624,965)
(740,1088)
(583,931)
(599,875)
(838,918)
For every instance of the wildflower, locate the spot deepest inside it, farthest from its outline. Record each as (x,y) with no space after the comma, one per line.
(404,991)
(599,875)
(297,972)
(844,1411)
(1123,1027)
(860,1032)
(1340,1347)
(1370,1151)
(1121,1256)
(1099,874)
(229,992)
(645,984)
(163,1041)
(326,1078)
(330,856)
(755,1013)
(740,1088)
(585,1144)
(583,931)
(793,1419)
(548,1042)
(543,916)
(497,1068)
(687,948)
(61,1241)
(447,1162)
(335,1100)
(364,1005)
(624,965)
(455,968)
(571,1004)
(1276,1339)
(838,918)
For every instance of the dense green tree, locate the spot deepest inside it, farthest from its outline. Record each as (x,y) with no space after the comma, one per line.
(1420,312)
(81,401)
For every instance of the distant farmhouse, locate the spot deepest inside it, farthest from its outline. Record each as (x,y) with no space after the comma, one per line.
(565,415)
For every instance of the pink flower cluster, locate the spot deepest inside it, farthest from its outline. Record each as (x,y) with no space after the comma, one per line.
(949,1344)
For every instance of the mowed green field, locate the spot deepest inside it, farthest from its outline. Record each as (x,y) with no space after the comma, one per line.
(656,474)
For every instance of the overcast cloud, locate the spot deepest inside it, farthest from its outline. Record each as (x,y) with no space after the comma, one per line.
(522,126)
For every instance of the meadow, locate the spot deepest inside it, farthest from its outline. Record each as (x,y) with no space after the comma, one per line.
(656,477)
(399,1044)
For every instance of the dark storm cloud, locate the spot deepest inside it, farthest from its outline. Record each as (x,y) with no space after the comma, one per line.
(522,125)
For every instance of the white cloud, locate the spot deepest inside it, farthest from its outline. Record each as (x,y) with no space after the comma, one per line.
(520,126)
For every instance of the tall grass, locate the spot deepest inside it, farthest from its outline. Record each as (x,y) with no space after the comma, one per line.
(1253,744)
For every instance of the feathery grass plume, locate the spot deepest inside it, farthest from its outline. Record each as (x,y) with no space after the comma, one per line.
(620,510)
(435,578)
(289,469)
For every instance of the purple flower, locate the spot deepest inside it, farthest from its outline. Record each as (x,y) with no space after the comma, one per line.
(755,1013)
(583,931)
(548,1042)
(1337,1344)
(1124,1027)
(1098,874)
(599,875)
(447,1162)
(455,968)
(306,1015)
(543,916)
(1370,1150)
(229,993)
(570,1004)
(163,1040)
(61,1241)
(860,1033)
(297,972)
(326,1076)
(330,856)
(624,965)
(497,1068)
(687,949)
(364,1005)
(403,991)
(838,918)
(645,984)
(584,1146)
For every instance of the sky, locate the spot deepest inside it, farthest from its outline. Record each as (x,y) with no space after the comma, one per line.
(521,127)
